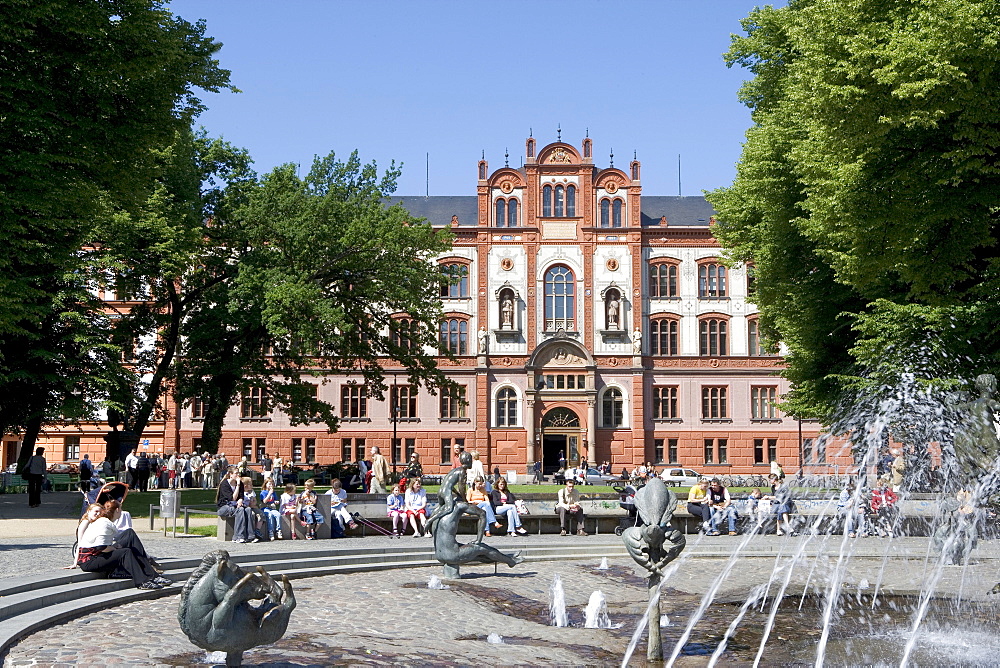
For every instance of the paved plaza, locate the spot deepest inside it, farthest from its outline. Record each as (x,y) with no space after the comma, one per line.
(393,618)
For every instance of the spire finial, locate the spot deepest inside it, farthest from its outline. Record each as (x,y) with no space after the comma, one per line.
(635,154)
(588,133)
(558,131)
(506,155)
(612,157)
(529,133)
(484,155)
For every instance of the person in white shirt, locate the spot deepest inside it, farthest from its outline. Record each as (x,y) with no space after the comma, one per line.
(416,507)
(477,471)
(97,551)
(338,505)
(131,464)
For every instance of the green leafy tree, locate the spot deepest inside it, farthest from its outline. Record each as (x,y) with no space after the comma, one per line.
(318,270)
(87,89)
(867,192)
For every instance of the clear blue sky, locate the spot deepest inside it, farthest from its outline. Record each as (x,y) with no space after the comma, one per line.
(398,80)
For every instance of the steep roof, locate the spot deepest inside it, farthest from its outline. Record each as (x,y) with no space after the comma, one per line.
(438,209)
(694,211)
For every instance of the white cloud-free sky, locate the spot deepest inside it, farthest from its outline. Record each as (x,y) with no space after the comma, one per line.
(401,80)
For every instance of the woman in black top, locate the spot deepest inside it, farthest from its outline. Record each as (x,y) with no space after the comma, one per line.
(503,502)
(231,502)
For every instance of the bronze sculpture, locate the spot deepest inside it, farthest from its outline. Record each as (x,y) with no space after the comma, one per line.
(656,505)
(443,524)
(215,612)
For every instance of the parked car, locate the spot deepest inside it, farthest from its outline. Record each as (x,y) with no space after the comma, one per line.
(680,477)
(594,477)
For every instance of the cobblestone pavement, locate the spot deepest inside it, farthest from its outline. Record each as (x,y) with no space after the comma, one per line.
(393,618)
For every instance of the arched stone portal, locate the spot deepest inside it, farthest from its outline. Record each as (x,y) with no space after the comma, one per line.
(561,436)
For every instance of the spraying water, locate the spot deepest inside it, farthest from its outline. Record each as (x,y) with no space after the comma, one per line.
(494,639)
(596,616)
(435,583)
(557,603)
(604,564)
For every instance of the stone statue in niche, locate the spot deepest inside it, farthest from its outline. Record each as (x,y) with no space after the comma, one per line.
(215,611)
(484,341)
(614,305)
(507,312)
(637,341)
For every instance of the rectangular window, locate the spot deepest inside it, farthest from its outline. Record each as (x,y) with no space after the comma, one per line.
(397,450)
(261,448)
(310,449)
(665,403)
(658,450)
(714,403)
(353,402)
(672,450)
(762,401)
(71,448)
(723,445)
(765,450)
(253,406)
(411,447)
(346,450)
(296,450)
(814,451)
(198,408)
(446,451)
(248,448)
(709,450)
(404,400)
(195,444)
(453,404)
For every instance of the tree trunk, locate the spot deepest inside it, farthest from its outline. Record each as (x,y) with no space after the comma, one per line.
(215,414)
(170,341)
(31,430)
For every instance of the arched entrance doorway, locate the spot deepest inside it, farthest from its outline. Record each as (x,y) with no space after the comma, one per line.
(560,438)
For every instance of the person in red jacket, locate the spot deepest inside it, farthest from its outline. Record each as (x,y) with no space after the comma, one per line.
(883,505)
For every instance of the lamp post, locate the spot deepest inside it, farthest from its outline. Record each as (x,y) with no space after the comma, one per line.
(394,410)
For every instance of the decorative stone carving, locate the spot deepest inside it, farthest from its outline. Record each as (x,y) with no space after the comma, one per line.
(612,264)
(506,264)
(484,341)
(215,611)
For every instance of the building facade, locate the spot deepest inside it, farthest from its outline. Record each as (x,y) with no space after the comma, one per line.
(590,322)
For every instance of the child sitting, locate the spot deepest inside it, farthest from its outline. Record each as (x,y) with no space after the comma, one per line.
(396,509)
(290,507)
(308,512)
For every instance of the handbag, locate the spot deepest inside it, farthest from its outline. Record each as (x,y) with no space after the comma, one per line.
(521,507)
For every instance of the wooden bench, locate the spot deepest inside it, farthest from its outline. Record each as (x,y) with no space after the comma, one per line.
(15,483)
(66,480)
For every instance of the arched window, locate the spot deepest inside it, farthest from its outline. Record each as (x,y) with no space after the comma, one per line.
(501,213)
(455,282)
(506,408)
(559,212)
(505,213)
(570,201)
(714,337)
(712,281)
(663,281)
(454,336)
(605,213)
(663,337)
(512,213)
(560,312)
(613,408)
(401,330)
(616,213)
(547,202)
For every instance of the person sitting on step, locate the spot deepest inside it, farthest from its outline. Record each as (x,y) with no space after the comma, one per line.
(308,512)
(416,507)
(395,508)
(479,497)
(568,506)
(339,514)
(503,502)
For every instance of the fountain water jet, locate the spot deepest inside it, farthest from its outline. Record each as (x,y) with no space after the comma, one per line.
(596,615)
(557,603)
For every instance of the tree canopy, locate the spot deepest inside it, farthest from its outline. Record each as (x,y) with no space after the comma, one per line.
(88,92)
(867,193)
